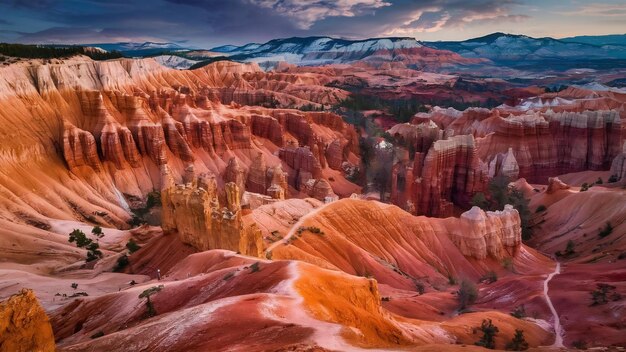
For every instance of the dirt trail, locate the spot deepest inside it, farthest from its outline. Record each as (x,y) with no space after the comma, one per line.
(558,330)
(295,227)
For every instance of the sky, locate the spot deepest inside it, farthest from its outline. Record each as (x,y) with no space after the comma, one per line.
(208,23)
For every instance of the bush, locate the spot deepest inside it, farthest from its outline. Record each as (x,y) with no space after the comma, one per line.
(489,277)
(518,343)
(82,241)
(254,267)
(467,294)
(603,294)
(154,199)
(228,276)
(74,285)
(132,246)
(608,228)
(97,231)
(50,52)
(613,179)
(569,249)
(519,312)
(541,208)
(507,263)
(122,262)
(489,332)
(584,187)
(599,181)
(579,345)
(146,294)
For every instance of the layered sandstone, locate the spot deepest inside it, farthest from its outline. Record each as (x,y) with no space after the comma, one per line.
(24,325)
(195,213)
(450,172)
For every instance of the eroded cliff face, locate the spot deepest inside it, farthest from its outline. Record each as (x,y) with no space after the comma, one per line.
(450,171)
(194,212)
(106,129)
(24,325)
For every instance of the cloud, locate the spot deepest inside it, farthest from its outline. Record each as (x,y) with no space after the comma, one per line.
(602,10)
(307,12)
(451,15)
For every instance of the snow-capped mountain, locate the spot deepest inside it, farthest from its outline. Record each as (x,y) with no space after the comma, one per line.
(140,49)
(501,47)
(314,50)
(173,61)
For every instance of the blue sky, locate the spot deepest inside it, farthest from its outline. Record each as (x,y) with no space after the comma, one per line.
(206,23)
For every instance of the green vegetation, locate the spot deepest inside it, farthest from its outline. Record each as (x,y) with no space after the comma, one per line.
(74,285)
(519,312)
(599,181)
(585,187)
(603,294)
(606,230)
(52,52)
(507,263)
(311,229)
(132,246)
(489,277)
(467,294)
(500,194)
(82,241)
(254,267)
(569,250)
(122,262)
(97,231)
(541,208)
(153,199)
(146,294)
(489,332)
(401,109)
(613,179)
(518,343)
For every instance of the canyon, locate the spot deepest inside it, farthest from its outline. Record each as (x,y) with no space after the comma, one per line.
(341,202)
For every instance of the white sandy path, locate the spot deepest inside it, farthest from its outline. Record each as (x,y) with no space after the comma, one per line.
(295,228)
(558,330)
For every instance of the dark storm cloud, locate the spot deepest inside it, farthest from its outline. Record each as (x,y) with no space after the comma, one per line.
(213,22)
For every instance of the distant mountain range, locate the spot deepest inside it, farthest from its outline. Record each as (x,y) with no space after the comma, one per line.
(500,48)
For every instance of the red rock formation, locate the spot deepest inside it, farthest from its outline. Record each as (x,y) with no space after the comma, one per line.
(24,325)
(194,213)
(450,172)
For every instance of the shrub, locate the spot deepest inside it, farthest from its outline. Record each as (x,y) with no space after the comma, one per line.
(613,179)
(228,276)
(606,230)
(489,277)
(254,267)
(80,238)
(146,294)
(584,187)
(519,312)
(74,285)
(451,280)
(122,262)
(467,294)
(154,199)
(569,249)
(93,252)
(599,181)
(97,231)
(132,246)
(385,299)
(507,263)
(518,343)
(603,294)
(489,332)
(579,345)
(541,208)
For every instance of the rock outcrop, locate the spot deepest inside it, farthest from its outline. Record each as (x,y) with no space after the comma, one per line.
(24,325)
(482,234)
(450,172)
(194,212)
